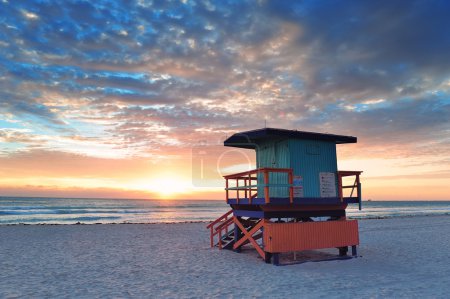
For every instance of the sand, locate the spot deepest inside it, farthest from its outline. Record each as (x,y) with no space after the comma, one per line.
(399,257)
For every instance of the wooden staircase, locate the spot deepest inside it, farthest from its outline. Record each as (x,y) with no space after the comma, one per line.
(220,226)
(226,236)
(227,241)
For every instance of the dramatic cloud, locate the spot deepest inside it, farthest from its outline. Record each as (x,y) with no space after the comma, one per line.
(150,79)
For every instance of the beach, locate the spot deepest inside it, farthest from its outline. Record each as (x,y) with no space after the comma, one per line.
(398,257)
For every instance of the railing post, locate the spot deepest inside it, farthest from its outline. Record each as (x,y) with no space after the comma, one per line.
(237,190)
(250,183)
(226,188)
(266,186)
(245,189)
(359,192)
(212,237)
(340,186)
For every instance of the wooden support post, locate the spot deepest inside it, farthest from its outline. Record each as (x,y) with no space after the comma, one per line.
(237,235)
(276,259)
(266,186)
(340,186)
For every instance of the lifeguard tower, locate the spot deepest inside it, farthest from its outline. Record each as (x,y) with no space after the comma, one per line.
(294,200)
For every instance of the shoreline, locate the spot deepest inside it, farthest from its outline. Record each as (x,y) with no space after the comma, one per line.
(207,222)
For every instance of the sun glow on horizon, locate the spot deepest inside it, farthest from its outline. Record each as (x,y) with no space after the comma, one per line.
(165,186)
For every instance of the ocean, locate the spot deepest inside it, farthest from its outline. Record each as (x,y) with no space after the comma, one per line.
(29,210)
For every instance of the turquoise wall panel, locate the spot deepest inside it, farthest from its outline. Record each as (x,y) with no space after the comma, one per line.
(273,154)
(308,159)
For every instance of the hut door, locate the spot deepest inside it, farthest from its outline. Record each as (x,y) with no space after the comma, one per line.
(274,155)
(265,156)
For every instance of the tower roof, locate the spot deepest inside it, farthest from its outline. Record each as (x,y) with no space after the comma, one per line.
(249,139)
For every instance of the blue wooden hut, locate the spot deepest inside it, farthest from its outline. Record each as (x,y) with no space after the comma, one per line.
(296,179)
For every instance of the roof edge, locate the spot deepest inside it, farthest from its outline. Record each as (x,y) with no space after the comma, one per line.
(248,139)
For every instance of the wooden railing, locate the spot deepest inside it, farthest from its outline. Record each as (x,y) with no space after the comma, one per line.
(356,185)
(217,226)
(250,190)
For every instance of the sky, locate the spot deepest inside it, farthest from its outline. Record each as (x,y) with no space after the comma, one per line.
(115,98)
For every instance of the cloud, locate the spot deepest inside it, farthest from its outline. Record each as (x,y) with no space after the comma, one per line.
(132,79)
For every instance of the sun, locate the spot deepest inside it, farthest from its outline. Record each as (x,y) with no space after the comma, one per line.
(164,186)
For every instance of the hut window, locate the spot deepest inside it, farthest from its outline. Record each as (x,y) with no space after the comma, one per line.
(312,149)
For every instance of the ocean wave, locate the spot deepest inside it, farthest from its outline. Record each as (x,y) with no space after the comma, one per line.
(67,211)
(93,219)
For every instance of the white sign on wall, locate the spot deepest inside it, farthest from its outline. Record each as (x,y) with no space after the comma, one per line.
(298,186)
(327,184)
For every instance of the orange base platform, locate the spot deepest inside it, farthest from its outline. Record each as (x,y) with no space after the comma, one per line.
(288,237)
